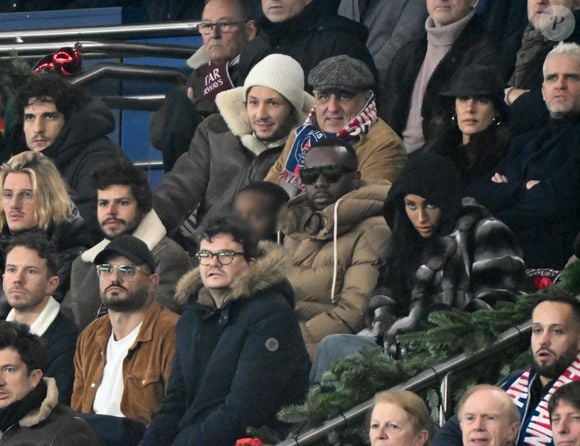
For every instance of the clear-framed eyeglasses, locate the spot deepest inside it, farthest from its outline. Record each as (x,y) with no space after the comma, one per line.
(126,272)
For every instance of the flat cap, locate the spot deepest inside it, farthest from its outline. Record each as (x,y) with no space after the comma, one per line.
(341,73)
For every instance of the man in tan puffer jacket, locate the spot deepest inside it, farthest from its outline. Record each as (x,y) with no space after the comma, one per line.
(335,241)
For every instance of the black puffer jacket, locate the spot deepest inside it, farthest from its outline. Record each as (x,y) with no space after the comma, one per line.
(314,35)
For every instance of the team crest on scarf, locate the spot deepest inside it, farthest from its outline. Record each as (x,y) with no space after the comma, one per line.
(307,134)
(538,431)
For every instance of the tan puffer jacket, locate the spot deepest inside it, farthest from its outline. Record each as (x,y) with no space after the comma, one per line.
(334,273)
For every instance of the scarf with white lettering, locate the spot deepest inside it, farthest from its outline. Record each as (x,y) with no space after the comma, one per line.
(307,134)
(536,430)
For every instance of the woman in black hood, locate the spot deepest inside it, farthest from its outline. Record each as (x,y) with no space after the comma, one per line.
(434,184)
(445,251)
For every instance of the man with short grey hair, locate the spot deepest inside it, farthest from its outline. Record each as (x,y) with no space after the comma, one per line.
(534,189)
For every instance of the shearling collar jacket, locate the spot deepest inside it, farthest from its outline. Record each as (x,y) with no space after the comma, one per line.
(51,424)
(232,107)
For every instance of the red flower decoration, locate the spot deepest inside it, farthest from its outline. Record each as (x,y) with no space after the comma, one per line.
(249,442)
(66,62)
(542,282)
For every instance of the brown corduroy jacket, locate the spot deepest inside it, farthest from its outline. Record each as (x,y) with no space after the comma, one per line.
(146,367)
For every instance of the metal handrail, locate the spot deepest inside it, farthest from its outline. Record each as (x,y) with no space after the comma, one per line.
(144,30)
(424,379)
(91,48)
(144,72)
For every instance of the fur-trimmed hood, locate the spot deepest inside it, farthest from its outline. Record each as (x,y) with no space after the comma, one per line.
(37,416)
(264,273)
(232,108)
(150,230)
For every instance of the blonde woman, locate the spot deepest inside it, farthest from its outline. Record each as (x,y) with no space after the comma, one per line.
(35,198)
(399,418)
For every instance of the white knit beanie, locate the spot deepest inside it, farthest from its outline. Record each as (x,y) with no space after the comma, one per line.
(280,73)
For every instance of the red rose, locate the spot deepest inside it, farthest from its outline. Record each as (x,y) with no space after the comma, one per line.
(249,442)
(542,282)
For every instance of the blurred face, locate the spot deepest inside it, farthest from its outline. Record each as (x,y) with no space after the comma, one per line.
(117,211)
(474,115)
(270,114)
(330,175)
(282,10)
(42,124)
(335,109)
(561,87)
(423,215)
(256,209)
(225,41)
(566,424)
(126,290)
(537,8)
(445,12)
(18,202)
(15,381)
(26,281)
(216,275)
(485,419)
(555,338)
(393,426)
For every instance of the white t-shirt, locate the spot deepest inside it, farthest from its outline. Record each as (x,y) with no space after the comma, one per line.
(110,391)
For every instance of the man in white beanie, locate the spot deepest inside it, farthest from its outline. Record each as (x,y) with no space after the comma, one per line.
(236,146)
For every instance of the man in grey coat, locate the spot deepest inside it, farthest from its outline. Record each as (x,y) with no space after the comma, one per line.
(123,200)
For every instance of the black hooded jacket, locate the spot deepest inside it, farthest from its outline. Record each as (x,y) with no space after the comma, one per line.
(80,146)
(314,35)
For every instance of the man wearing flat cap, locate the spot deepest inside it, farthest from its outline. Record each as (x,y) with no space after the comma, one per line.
(345,109)
(123,359)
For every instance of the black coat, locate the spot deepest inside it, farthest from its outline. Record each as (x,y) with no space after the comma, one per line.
(314,35)
(60,340)
(473,46)
(235,366)
(546,218)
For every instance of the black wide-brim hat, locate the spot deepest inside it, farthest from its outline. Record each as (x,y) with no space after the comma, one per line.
(478,80)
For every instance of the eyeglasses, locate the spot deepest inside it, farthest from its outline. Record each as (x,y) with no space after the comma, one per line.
(127,272)
(223,26)
(224,256)
(25,196)
(309,175)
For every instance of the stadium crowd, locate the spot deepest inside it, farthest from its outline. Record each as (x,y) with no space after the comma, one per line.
(335,171)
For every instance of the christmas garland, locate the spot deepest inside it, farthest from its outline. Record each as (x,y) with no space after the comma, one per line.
(356,379)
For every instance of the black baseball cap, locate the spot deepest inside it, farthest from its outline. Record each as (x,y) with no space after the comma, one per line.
(127,246)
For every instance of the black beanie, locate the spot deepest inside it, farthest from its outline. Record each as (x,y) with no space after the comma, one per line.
(433,177)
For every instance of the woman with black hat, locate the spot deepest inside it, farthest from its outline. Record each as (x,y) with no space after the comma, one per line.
(472,133)
(444,252)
